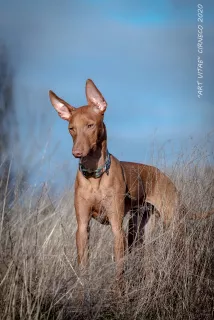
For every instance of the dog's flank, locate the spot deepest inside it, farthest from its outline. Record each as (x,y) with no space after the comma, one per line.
(105,188)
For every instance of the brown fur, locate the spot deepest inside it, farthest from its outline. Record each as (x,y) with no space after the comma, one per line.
(104,198)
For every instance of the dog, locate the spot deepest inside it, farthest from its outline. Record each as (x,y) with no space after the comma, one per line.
(106,188)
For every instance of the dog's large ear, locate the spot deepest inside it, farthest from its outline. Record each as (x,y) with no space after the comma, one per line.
(63,108)
(95,97)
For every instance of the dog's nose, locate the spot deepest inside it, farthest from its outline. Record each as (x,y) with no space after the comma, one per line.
(77,153)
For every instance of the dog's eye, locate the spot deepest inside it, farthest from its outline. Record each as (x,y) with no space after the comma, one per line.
(90,125)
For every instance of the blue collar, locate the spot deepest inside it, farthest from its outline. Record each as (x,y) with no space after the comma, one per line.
(88,173)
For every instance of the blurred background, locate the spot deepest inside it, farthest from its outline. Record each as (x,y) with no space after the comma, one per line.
(141,54)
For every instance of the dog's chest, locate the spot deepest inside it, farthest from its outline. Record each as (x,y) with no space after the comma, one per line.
(98,198)
(100,201)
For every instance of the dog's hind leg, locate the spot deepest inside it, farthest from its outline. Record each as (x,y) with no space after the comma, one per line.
(139,217)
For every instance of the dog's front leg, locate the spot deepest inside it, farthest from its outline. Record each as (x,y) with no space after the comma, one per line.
(116,221)
(82,209)
(119,249)
(83,217)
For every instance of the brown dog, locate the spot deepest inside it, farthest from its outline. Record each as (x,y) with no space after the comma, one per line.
(105,188)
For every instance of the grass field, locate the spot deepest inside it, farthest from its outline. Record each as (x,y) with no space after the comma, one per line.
(165,278)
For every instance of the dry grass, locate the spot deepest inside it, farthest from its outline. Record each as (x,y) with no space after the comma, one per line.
(169,277)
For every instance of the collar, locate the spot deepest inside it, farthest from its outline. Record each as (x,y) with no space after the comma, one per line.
(88,173)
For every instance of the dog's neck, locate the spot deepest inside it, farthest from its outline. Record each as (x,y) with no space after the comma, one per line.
(97,157)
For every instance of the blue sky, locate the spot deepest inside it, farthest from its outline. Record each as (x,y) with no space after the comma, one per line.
(142,55)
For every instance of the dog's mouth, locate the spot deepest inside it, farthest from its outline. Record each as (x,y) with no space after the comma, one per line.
(91,154)
(85,157)
(83,154)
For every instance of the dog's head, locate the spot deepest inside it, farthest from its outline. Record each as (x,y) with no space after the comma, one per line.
(85,123)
